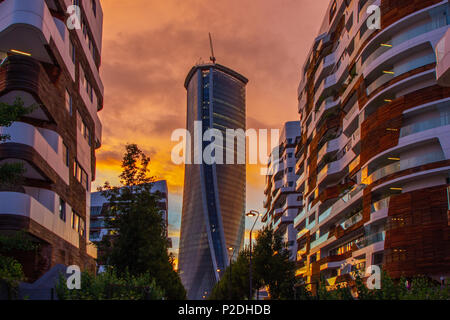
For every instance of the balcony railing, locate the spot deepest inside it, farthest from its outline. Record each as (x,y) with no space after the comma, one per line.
(299,218)
(405,164)
(319,241)
(442,120)
(371,239)
(352,220)
(380,205)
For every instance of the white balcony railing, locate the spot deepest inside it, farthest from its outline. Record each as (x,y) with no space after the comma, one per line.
(25,205)
(24,133)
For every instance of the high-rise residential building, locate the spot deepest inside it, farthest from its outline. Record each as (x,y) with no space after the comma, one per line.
(374,157)
(283,202)
(55,68)
(443,60)
(214,194)
(100,205)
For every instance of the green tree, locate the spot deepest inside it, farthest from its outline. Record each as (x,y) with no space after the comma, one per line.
(11,173)
(272,266)
(11,271)
(139,245)
(235,283)
(109,286)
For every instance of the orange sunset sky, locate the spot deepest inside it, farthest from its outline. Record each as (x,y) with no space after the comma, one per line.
(150,45)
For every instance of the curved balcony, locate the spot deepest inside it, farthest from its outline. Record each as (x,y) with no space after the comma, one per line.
(324,67)
(325,88)
(34,28)
(400,32)
(20,73)
(403,46)
(331,147)
(22,204)
(326,105)
(299,185)
(323,238)
(443,60)
(371,239)
(401,165)
(352,220)
(439,121)
(49,147)
(404,66)
(335,169)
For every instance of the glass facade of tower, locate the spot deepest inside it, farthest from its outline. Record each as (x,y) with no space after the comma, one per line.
(214,194)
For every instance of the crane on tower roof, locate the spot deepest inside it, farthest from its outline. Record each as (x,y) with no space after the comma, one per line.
(212,58)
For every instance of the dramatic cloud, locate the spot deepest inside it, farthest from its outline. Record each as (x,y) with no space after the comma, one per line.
(150,45)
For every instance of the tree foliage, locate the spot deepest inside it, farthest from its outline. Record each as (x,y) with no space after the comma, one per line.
(415,288)
(11,271)
(139,245)
(271,267)
(110,286)
(11,173)
(235,283)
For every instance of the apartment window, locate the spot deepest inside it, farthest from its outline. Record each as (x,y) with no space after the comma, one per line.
(82,77)
(75,221)
(78,224)
(291,184)
(377,258)
(72,51)
(89,90)
(76,2)
(84,28)
(290,169)
(77,171)
(289,155)
(69,102)
(81,175)
(333,10)
(84,179)
(86,84)
(66,155)
(94,7)
(84,129)
(92,48)
(62,209)
(362,3)
(82,227)
(363,29)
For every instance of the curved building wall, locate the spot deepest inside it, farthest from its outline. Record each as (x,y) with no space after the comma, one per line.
(214,194)
(375,144)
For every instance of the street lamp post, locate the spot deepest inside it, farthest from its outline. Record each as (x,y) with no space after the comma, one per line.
(252,213)
(232,250)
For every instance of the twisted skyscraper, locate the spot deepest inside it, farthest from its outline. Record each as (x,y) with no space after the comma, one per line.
(214,194)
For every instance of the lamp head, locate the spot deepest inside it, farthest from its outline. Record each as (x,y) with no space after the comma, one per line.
(252,213)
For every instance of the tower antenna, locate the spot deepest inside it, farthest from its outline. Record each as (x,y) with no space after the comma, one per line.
(212,58)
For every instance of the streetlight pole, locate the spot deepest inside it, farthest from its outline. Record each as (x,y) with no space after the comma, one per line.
(231,261)
(252,213)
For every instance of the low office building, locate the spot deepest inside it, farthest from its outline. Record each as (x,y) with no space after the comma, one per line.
(283,202)
(99,207)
